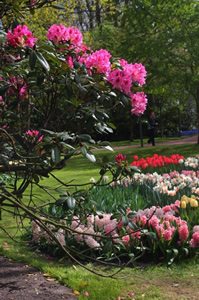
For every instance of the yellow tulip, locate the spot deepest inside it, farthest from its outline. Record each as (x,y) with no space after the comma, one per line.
(183,204)
(185,198)
(194,203)
(193,196)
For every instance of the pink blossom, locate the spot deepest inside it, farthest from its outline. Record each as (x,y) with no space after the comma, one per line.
(99,61)
(91,242)
(125,240)
(123,62)
(119,158)
(19,86)
(120,80)
(137,72)
(62,34)
(115,237)
(86,294)
(196,228)
(166,208)
(153,221)
(138,102)
(21,37)
(120,225)
(142,220)
(136,235)
(167,234)
(195,240)
(183,232)
(34,133)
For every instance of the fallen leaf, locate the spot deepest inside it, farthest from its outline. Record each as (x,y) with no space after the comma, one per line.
(51,279)
(47,275)
(75,292)
(86,294)
(175,284)
(74,267)
(131,293)
(30,274)
(143,295)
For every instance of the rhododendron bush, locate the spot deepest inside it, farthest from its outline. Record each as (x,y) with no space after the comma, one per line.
(55,99)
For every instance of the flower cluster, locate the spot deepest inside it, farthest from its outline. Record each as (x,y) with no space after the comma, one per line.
(168,183)
(124,80)
(120,158)
(99,61)
(21,37)
(137,72)
(163,222)
(18,86)
(194,242)
(138,102)
(62,34)
(157,161)
(34,134)
(166,225)
(192,201)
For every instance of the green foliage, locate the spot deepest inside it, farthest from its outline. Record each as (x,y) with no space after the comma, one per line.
(108,198)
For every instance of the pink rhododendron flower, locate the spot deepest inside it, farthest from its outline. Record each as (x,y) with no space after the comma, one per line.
(20,88)
(138,102)
(120,80)
(138,73)
(34,133)
(119,158)
(99,62)
(62,34)
(21,37)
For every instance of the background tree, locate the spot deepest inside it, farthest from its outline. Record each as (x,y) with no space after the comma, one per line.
(164,35)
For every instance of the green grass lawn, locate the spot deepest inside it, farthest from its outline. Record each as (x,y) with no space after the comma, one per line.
(146,281)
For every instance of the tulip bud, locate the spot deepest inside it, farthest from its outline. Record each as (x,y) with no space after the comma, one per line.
(183,204)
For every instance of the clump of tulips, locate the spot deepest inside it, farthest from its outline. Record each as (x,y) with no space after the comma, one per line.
(157,161)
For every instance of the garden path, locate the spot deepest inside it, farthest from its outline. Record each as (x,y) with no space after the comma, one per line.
(19,281)
(188,140)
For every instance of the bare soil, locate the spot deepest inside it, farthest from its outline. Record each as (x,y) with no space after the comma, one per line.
(22,282)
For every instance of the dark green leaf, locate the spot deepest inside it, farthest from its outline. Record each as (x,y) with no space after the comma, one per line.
(32,59)
(125,220)
(3,89)
(42,61)
(56,155)
(84,137)
(71,202)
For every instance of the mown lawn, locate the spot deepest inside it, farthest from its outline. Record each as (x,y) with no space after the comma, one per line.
(146,281)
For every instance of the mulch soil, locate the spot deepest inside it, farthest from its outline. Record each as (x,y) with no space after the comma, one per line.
(22,282)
